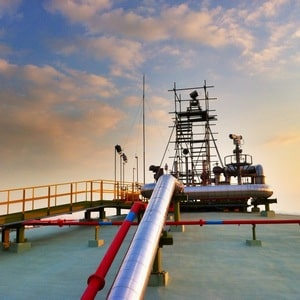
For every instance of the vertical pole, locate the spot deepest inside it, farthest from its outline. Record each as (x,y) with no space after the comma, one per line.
(238,162)
(55,195)
(123,174)
(101,190)
(5,237)
(97,232)
(133,189)
(121,171)
(91,191)
(71,194)
(144,142)
(49,191)
(32,202)
(8,200)
(137,169)
(253,232)
(24,196)
(176,204)
(102,213)
(187,170)
(115,175)
(20,238)
(157,264)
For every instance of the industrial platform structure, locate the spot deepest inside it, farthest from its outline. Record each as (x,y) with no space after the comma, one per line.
(198,181)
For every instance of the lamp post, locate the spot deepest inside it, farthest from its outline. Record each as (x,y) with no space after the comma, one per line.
(118,149)
(133,184)
(137,169)
(125,160)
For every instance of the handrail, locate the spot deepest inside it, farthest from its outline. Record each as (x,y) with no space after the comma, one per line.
(21,200)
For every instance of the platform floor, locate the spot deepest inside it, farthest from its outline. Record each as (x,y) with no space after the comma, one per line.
(209,262)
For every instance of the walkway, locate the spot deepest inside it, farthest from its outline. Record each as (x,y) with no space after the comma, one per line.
(37,202)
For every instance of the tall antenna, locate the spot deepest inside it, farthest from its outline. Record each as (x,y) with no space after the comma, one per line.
(144,142)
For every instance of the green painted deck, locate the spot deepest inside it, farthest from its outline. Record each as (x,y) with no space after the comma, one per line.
(209,262)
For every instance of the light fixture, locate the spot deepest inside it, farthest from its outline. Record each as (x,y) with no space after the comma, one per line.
(118,148)
(125,160)
(194,95)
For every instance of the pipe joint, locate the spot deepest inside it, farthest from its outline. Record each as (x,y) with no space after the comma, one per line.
(96,280)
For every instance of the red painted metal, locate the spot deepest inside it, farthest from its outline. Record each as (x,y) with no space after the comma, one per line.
(251,222)
(64,222)
(200,222)
(97,280)
(234,222)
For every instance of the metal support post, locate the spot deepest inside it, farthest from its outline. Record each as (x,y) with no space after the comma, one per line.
(254,241)
(177,228)
(158,276)
(5,238)
(20,238)
(96,242)
(253,232)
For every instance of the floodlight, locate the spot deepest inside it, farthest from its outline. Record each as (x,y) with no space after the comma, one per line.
(194,95)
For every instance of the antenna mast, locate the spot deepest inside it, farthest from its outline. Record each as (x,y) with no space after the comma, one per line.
(144,142)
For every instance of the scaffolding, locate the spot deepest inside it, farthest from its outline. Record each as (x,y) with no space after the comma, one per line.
(196,152)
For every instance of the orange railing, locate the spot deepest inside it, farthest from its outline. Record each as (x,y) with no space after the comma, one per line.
(46,196)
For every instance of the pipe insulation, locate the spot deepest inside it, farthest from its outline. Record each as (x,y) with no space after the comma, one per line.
(132,278)
(219,191)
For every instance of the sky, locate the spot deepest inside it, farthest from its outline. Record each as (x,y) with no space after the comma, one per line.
(71,85)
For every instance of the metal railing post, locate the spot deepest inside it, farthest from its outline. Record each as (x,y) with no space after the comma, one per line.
(24,198)
(49,197)
(101,190)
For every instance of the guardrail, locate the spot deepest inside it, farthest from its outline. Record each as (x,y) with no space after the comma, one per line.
(21,200)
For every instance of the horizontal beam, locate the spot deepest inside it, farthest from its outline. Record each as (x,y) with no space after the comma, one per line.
(200,222)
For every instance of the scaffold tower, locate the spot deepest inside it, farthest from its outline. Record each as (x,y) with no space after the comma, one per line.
(196,152)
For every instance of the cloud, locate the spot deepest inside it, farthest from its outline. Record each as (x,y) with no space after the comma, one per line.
(264,10)
(78,10)
(9,7)
(130,37)
(181,22)
(132,101)
(128,24)
(176,22)
(272,40)
(122,52)
(281,139)
(50,112)
(4,50)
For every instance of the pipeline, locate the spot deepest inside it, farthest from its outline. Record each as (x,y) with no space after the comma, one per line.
(96,281)
(65,222)
(219,191)
(132,277)
(200,222)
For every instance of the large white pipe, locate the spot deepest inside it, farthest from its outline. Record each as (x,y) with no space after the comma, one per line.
(228,191)
(219,191)
(132,278)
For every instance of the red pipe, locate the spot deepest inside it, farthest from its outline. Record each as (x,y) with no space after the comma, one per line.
(64,222)
(241,222)
(96,281)
(233,222)
(174,223)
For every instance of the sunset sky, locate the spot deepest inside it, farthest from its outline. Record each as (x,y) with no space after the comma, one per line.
(71,77)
